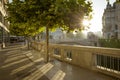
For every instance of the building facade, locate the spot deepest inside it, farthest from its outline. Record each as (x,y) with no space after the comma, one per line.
(4,32)
(111,21)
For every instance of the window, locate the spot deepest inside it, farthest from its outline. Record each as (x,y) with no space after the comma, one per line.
(69,54)
(57,51)
(116,31)
(116,27)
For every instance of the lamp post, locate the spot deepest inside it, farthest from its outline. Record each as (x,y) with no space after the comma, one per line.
(3,43)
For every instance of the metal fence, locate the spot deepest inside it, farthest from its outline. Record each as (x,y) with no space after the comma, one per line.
(108,62)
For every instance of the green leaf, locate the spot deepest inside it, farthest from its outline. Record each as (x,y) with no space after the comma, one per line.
(30,17)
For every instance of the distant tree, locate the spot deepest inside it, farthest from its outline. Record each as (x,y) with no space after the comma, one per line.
(109,43)
(29,17)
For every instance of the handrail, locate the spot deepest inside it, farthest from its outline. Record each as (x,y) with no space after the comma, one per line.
(104,60)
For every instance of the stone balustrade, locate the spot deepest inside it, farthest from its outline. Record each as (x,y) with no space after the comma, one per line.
(104,60)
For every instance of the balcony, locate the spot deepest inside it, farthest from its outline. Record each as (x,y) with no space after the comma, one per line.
(96,59)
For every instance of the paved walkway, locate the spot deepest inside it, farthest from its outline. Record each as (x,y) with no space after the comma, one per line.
(16,64)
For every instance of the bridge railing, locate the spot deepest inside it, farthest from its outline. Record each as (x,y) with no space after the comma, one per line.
(104,60)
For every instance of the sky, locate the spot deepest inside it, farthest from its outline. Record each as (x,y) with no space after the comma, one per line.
(98,9)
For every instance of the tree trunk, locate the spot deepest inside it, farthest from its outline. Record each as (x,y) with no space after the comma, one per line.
(47,44)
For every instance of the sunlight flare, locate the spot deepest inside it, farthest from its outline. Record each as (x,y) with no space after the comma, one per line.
(40,72)
(59,75)
(86,22)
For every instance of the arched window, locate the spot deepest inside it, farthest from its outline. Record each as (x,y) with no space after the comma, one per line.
(116,27)
(116,32)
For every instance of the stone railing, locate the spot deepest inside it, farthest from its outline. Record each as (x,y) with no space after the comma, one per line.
(104,60)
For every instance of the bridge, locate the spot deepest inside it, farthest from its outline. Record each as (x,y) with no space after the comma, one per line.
(96,59)
(66,63)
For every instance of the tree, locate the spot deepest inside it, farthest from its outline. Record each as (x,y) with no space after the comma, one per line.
(30,16)
(110,43)
(24,20)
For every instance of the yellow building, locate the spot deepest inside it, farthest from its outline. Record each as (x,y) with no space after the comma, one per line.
(111,21)
(4,32)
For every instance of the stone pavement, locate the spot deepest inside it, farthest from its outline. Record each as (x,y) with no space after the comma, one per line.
(18,63)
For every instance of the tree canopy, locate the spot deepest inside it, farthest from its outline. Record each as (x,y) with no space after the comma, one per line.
(29,17)
(110,43)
